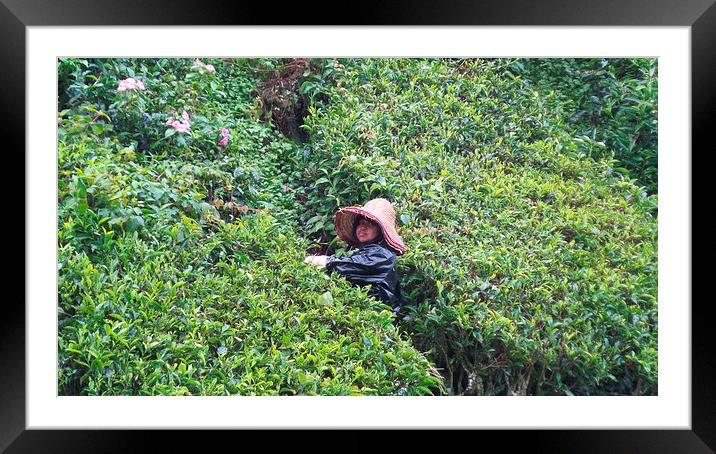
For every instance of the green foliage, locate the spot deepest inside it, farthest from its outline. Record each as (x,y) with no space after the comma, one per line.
(180,272)
(532,252)
(232,311)
(531,266)
(315,84)
(609,100)
(140,116)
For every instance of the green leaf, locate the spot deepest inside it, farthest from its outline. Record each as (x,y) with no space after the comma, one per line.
(135,223)
(325,299)
(81,191)
(314,219)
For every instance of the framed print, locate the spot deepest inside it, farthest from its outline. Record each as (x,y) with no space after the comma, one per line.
(220,267)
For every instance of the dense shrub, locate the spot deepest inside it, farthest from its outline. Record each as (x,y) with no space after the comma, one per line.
(179,268)
(232,311)
(532,263)
(610,100)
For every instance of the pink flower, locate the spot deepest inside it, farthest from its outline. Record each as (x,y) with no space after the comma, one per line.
(225,137)
(130,84)
(182,125)
(209,68)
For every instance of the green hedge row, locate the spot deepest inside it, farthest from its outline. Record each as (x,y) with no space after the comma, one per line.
(531,265)
(611,100)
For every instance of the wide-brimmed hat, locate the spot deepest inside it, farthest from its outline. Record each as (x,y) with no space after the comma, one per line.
(379,211)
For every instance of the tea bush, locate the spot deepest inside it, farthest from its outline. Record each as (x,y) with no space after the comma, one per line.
(610,100)
(179,268)
(532,261)
(183,219)
(233,311)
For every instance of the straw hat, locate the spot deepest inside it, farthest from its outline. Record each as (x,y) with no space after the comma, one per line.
(377,210)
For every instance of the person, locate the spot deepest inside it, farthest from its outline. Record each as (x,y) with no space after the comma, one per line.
(370,228)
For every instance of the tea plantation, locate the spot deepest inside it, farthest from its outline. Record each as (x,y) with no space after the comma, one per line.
(185,210)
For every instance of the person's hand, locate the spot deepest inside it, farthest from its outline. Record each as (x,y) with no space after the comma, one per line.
(318,260)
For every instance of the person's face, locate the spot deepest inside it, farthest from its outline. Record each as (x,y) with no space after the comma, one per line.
(366,230)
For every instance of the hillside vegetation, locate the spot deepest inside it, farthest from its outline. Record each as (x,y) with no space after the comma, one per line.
(180,272)
(184,215)
(611,100)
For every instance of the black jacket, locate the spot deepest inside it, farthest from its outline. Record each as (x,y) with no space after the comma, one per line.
(373,264)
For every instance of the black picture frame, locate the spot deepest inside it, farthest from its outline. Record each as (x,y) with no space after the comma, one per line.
(16,15)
